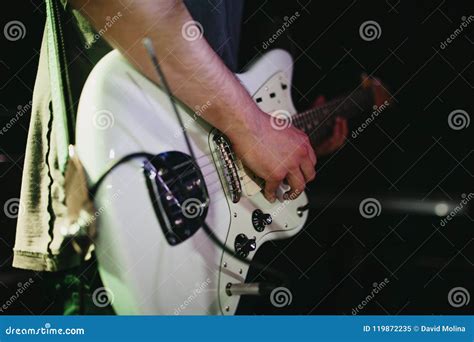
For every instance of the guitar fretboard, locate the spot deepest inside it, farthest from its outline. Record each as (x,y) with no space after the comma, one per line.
(318,122)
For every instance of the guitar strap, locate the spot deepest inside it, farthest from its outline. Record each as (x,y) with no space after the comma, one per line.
(61,95)
(75,186)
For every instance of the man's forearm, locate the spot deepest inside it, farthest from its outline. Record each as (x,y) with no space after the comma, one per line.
(194,71)
(197,75)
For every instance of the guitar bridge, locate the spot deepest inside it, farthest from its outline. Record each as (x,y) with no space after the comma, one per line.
(229,166)
(239,179)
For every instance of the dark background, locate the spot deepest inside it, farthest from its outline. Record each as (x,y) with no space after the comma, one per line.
(409,155)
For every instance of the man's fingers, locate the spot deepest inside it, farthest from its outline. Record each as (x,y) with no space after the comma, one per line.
(296,182)
(312,155)
(271,187)
(308,171)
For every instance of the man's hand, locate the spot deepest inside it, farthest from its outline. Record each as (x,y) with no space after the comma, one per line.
(275,155)
(197,75)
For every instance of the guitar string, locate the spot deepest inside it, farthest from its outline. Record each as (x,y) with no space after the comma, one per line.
(223,191)
(335,103)
(208,185)
(207,155)
(215,170)
(212,172)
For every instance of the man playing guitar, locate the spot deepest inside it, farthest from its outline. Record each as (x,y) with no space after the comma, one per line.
(196,69)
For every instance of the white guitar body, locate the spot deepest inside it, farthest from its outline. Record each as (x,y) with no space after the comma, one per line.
(121,112)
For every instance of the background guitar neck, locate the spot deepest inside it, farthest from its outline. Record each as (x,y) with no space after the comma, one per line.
(318,122)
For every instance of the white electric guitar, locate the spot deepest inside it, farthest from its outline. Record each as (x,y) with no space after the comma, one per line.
(154,257)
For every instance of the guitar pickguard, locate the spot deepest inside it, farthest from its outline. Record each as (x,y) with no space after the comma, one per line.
(275,94)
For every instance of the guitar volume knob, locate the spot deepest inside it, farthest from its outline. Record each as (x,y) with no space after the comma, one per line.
(243,245)
(260,220)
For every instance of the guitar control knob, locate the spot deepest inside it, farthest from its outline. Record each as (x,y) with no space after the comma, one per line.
(260,220)
(243,245)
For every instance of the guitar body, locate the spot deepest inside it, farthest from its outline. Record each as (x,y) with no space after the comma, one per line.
(121,112)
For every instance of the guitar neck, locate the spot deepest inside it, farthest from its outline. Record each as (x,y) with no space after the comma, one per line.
(318,122)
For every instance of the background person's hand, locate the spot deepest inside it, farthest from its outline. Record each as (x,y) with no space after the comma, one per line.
(337,139)
(339,135)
